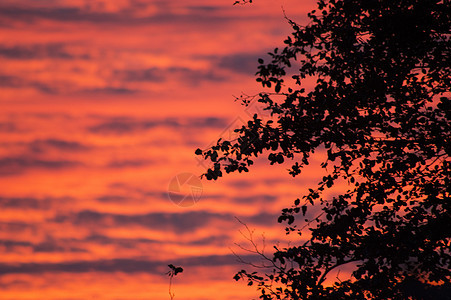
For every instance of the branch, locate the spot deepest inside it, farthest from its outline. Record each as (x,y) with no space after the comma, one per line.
(255,250)
(323,277)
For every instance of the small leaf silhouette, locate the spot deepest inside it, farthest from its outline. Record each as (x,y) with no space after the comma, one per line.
(178,270)
(174,270)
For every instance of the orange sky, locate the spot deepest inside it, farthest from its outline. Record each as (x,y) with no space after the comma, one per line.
(102,103)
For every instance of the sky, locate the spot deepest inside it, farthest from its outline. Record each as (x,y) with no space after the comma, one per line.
(102,105)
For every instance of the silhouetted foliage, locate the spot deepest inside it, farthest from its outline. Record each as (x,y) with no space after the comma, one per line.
(174,270)
(380,112)
(172,273)
(242,2)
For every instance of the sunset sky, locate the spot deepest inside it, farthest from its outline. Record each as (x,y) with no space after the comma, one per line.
(102,104)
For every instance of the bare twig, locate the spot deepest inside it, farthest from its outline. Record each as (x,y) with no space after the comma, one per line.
(267,262)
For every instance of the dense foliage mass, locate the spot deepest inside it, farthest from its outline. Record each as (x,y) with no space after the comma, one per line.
(380,111)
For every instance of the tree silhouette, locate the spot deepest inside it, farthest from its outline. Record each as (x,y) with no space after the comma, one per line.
(380,112)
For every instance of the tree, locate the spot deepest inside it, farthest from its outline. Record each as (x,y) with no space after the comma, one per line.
(380,112)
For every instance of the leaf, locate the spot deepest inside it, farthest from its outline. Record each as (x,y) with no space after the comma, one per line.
(174,270)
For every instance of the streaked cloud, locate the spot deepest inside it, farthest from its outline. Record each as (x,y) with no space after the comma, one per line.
(181,74)
(129,163)
(245,63)
(39,146)
(19,164)
(20,83)
(123,125)
(119,265)
(39,51)
(160,13)
(8,126)
(181,223)
(25,203)
(50,246)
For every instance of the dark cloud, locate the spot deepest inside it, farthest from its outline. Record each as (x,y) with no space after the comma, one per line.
(123,265)
(17,227)
(210,122)
(165,15)
(119,164)
(25,203)
(255,199)
(10,81)
(195,77)
(20,164)
(121,126)
(134,242)
(182,74)
(38,51)
(48,246)
(52,87)
(262,218)
(241,184)
(67,14)
(121,242)
(8,127)
(109,90)
(181,223)
(244,63)
(149,75)
(39,146)
(16,284)
(44,87)
(112,199)
(11,245)
(218,260)
(219,240)
(204,8)
(18,83)
(173,222)
(129,125)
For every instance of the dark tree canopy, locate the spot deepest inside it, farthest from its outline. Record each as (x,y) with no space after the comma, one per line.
(380,111)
